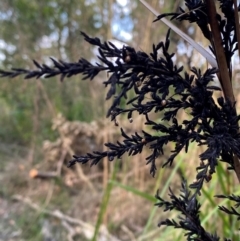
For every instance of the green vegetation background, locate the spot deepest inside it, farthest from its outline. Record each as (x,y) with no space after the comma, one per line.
(32,29)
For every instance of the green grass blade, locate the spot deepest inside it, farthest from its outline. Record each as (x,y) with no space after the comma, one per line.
(162,193)
(134,191)
(105,201)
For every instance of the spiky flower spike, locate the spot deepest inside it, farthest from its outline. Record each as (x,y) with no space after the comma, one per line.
(152,79)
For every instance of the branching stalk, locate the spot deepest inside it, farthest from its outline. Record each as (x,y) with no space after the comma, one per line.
(222,63)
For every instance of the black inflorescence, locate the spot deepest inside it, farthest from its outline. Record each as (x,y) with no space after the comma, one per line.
(189,208)
(167,89)
(153,84)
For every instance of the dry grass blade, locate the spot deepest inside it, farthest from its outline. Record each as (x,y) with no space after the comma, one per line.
(237,24)
(194,44)
(236,161)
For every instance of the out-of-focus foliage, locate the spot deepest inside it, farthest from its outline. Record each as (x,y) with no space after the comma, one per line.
(36,30)
(39,29)
(28,28)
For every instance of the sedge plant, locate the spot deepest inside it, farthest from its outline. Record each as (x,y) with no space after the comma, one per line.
(211,124)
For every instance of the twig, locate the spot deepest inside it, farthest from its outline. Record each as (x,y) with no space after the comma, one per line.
(34,173)
(60,162)
(128,232)
(40,174)
(86,229)
(71,231)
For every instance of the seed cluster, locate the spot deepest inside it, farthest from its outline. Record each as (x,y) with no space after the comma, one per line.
(153,83)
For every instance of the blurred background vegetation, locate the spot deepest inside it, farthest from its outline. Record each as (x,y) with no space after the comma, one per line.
(43,122)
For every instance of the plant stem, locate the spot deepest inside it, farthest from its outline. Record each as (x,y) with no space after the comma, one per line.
(224,76)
